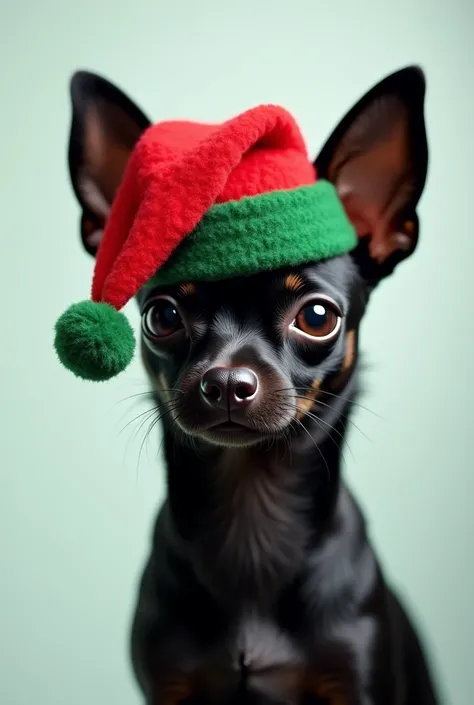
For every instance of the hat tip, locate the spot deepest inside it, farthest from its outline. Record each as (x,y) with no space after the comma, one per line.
(94,341)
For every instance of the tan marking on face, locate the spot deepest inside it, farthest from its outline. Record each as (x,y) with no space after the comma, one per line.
(409,227)
(308,401)
(293,282)
(187,289)
(326,688)
(348,360)
(174,692)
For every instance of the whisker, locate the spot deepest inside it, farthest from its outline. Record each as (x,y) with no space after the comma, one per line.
(315,445)
(346,417)
(153,424)
(148,414)
(137,399)
(342,415)
(145,421)
(135,418)
(142,444)
(331,394)
(133,396)
(319,421)
(147,411)
(158,452)
(354,403)
(145,441)
(149,393)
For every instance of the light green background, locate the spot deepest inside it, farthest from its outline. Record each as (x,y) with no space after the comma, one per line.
(75,506)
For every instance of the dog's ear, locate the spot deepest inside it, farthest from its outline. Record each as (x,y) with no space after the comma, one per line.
(104,130)
(377,158)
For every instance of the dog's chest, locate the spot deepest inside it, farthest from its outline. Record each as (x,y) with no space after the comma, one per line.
(261,644)
(256,535)
(272,662)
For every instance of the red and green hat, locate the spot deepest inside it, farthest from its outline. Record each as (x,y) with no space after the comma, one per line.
(201,202)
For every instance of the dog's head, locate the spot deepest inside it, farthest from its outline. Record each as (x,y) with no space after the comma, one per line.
(238,361)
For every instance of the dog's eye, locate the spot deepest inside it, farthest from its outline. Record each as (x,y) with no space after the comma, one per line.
(319,319)
(161,319)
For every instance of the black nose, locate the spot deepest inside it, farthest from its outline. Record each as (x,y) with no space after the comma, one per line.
(229,387)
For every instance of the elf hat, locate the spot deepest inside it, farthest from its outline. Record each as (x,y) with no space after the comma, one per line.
(201,202)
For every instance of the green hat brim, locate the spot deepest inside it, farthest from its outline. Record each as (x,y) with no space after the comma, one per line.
(261,233)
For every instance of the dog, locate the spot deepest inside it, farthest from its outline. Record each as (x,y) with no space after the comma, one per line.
(261,584)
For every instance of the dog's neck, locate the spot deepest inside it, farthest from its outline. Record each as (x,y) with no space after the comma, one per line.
(246,517)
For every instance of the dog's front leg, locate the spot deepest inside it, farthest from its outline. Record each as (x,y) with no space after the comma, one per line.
(333,690)
(174,690)
(345,666)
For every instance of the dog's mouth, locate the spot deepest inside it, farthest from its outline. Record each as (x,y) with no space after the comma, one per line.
(231,427)
(233,433)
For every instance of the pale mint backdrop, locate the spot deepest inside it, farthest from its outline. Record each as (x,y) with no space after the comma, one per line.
(75,505)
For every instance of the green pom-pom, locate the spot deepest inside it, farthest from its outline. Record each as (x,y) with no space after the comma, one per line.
(94,340)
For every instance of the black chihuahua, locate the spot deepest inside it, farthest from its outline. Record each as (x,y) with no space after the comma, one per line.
(262,586)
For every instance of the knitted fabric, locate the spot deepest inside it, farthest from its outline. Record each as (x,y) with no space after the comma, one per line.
(278,229)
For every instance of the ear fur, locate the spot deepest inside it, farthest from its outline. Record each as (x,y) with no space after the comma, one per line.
(377,158)
(105,127)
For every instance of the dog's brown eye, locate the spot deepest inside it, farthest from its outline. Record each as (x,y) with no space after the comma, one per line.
(161,319)
(318,319)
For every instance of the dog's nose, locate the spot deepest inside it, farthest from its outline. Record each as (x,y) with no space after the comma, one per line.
(229,387)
